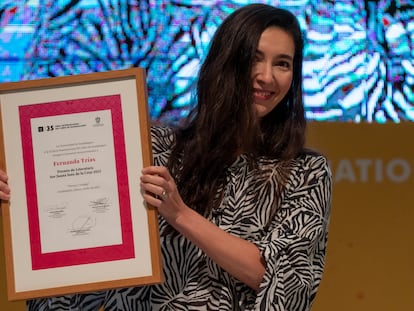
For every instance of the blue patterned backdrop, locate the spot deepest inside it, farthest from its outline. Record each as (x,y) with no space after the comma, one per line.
(359,55)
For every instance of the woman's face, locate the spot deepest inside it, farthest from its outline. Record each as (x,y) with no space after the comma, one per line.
(272,70)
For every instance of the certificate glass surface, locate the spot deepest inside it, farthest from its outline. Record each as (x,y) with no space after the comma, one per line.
(73,148)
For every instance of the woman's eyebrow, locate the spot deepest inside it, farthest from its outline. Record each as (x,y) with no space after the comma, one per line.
(285,56)
(279,56)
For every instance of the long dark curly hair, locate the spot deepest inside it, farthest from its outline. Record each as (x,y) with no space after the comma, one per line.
(223,122)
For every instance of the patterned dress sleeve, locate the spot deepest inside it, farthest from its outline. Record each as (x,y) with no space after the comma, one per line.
(295,245)
(162,141)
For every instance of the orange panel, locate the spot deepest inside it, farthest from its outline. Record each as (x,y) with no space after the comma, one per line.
(370,260)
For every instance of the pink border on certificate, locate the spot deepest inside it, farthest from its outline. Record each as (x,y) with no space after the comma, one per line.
(125,250)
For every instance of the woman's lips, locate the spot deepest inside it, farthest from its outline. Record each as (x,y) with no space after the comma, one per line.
(263,95)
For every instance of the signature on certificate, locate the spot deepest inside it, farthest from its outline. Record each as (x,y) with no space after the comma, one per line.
(100,205)
(83,225)
(56,210)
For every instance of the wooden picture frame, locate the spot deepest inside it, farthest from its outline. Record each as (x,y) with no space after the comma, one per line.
(73,148)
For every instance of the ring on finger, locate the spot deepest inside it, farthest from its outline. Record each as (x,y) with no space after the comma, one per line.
(164,195)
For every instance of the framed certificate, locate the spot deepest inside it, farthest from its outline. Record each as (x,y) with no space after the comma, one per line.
(73,148)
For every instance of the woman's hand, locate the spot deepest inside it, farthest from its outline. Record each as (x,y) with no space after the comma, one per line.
(4,187)
(226,248)
(158,189)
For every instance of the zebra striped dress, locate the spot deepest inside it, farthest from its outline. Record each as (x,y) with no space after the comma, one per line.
(290,231)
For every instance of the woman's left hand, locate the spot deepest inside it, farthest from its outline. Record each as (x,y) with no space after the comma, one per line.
(158,189)
(4,187)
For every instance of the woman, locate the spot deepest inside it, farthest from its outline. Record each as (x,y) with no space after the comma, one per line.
(244,207)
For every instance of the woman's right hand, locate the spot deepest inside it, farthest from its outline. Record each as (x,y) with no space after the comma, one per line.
(4,187)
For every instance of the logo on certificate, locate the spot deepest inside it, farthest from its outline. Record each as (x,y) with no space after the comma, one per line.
(98,121)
